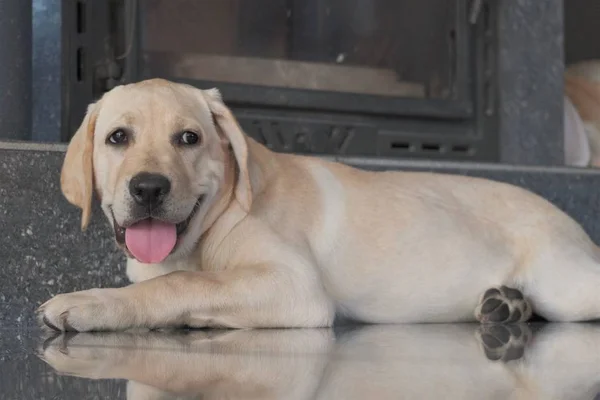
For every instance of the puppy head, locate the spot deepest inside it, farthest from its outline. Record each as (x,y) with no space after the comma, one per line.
(159,155)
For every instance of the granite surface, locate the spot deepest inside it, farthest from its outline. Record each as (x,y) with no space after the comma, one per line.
(432,361)
(46,66)
(43,252)
(530,77)
(15,69)
(24,376)
(30,74)
(42,249)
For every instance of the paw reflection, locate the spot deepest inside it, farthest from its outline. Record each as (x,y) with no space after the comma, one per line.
(504,342)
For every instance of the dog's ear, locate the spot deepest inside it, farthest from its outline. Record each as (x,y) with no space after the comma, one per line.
(230,128)
(77,175)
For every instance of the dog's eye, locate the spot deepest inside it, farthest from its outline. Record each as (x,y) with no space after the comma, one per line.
(188,138)
(118,137)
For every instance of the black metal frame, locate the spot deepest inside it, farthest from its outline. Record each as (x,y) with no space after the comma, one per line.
(462,127)
(91,46)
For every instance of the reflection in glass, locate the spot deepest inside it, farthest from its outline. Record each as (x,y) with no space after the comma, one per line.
(381,47)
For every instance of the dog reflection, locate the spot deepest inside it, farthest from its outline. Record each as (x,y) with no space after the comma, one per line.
(261,364)
(380,362)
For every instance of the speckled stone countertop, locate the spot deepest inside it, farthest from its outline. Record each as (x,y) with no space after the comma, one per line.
(43,251)
(464,361)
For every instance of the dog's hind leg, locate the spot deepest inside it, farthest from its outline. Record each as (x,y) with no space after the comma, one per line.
(564,285)
(502,305)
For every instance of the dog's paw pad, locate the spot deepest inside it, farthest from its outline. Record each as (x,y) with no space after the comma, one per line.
(503,342)
(503,305)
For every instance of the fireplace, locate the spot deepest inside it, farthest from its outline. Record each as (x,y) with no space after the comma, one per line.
(366,78)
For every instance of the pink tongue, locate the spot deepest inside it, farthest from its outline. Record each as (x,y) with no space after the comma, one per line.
(151,241)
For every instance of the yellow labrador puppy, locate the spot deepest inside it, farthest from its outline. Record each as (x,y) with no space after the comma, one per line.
(220,231)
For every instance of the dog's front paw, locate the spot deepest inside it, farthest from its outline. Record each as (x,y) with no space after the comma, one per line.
(88,310)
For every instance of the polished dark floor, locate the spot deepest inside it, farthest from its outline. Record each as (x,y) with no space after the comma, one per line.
(552,361)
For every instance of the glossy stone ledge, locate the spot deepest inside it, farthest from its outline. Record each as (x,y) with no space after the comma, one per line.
(43,252)
(42,249)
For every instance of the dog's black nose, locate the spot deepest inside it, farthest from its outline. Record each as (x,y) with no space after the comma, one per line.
(148,189)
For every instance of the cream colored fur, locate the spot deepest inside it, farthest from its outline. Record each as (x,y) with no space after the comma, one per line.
(289,241)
